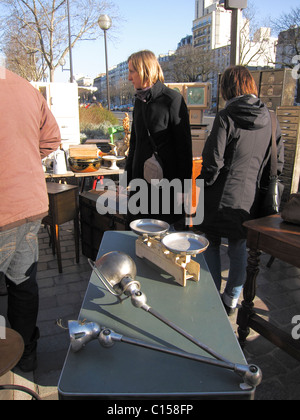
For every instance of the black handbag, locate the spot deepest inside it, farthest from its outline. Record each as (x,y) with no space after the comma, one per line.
(269,199)
(291,210)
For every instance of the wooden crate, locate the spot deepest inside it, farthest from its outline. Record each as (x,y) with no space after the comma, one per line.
(83,151)
(199,137)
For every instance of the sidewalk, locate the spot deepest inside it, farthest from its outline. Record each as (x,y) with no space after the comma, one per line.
(61,297)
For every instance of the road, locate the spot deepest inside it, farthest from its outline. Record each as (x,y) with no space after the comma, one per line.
(208,119)
(121,115)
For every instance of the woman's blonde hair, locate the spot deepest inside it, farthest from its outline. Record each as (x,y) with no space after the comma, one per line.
(147,66)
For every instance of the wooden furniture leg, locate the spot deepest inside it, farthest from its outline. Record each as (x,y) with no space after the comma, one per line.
(63,207)
(58,249)
(77,235)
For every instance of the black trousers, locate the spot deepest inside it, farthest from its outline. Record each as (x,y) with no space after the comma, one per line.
(23,306)
(18,262)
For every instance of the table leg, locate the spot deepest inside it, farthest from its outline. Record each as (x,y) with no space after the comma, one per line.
(246,310)
(82,181)
(76,234)
(57,247)
(52,240)
(270,263)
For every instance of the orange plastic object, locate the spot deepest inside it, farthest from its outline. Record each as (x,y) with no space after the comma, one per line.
(197,169)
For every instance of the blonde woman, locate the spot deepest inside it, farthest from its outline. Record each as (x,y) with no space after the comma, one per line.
(161,113)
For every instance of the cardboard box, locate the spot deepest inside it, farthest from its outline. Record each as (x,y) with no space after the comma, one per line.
(199,137)
(196,116)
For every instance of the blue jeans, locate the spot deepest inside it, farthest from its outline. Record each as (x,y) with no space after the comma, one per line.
(18,262)
(237,252)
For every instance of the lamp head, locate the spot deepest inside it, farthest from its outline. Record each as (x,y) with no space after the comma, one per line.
(104,22)
(81,334)
(119,271)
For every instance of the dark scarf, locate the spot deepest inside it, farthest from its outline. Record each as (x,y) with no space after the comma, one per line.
(142,94)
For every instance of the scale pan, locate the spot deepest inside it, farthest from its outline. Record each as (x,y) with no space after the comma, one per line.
(150,227)
(185,243)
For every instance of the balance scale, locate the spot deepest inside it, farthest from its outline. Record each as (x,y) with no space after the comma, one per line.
(171,252)
(113,159)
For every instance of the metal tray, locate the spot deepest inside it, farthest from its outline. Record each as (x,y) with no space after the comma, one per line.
(149,227)
(185,243)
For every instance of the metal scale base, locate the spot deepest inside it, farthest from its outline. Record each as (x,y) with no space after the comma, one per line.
(181,267)
(172,252)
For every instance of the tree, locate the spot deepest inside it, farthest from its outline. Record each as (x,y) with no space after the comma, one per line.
(39,29)
(288,50)
(22,56)
(189,65)
(257,47)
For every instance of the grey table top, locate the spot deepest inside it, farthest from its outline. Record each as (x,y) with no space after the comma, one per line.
(125,371)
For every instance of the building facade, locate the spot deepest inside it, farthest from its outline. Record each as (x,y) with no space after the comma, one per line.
(212,25)
(119,86)
(212,32)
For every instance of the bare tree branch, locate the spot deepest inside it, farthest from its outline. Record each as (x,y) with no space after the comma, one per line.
(288,27)
(189,64)
(46,21)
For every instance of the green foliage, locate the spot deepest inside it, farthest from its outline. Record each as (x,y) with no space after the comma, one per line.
(95,122)
(97,115)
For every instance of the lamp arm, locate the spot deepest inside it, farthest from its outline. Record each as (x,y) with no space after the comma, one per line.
(188,336)
(139,300)
(251,374)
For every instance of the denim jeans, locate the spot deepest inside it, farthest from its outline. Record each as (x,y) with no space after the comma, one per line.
(237,252)
(18,262)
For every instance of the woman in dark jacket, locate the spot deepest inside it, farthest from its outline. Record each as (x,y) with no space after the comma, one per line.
(164,113)
(234,158)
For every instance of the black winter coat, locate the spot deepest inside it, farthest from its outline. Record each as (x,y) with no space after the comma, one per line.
(167,117)
(236,161)
(168,121)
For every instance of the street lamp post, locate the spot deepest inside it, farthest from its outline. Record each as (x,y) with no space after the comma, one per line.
(70,43)
(105,23)
(235,37)
(236,6)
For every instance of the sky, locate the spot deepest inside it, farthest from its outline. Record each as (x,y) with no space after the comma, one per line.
(158,25)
